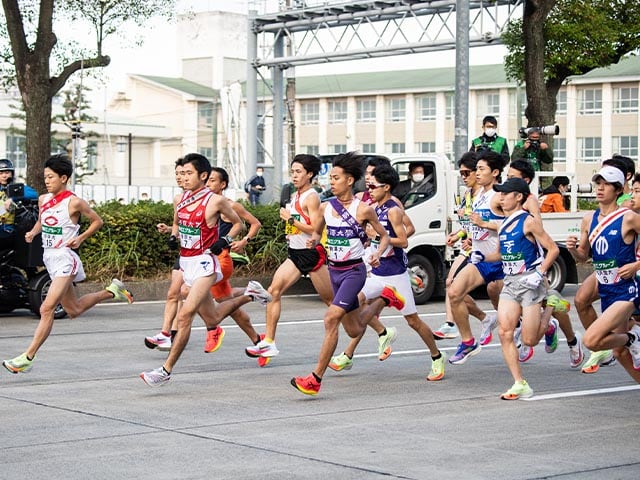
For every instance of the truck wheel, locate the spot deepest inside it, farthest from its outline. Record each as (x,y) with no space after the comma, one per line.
(425,278)
(557,274)
(38,288)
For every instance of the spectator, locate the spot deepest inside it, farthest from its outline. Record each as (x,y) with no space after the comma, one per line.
(416,183)
(7,203)
(255,186)
(490,139)
(552,199)
(533,149)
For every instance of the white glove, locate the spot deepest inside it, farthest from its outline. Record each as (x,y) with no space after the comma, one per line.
(476,257)
(533,280)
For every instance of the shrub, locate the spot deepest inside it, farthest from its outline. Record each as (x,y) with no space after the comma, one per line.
(129,245)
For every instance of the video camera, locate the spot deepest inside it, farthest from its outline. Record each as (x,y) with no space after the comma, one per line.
(546,130)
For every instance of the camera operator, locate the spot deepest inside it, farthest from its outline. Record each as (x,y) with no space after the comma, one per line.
(8,205)
(533,149)
(490,139)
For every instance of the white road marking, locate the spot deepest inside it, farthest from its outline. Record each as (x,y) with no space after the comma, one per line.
(581,393)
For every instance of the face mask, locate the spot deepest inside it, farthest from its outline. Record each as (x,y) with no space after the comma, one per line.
(489,132)
(259,174)
(417,177)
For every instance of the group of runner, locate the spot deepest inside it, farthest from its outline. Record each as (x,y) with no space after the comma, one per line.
(352,249)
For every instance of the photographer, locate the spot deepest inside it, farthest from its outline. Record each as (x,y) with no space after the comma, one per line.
(8,205)
(489,140)
(533,149)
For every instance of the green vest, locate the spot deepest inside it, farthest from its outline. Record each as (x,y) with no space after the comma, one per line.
(497,145)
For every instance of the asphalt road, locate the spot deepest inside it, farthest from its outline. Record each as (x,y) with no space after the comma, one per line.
(83,412)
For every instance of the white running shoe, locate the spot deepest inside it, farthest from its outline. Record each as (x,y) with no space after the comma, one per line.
(446,331)
(159,341)
(488,324)
(262,349)
(257,292)
(576,355)
(156,377)
(634,348)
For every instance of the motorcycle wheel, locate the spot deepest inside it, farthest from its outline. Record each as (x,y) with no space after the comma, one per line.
(39,287)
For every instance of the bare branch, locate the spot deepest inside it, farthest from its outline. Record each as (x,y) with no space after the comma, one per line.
(58,82)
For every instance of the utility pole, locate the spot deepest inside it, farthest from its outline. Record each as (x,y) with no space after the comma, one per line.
(290,94)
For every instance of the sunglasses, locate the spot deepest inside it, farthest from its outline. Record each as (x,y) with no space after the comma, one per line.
(373,186)
(466,173)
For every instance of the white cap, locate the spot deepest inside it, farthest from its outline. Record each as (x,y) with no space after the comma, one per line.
(610,175)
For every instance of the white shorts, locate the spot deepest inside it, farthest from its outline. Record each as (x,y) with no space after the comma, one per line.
(200,266)
(375,283)
(63,262)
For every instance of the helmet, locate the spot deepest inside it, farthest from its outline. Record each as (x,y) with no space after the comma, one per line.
(6,165)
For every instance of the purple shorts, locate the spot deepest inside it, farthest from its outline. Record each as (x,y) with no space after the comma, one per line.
(347,282)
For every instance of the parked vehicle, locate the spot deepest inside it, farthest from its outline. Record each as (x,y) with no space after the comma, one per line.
(24,281)
(433,215)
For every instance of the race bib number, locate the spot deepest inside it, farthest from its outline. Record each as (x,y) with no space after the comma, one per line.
(51,236)
(375,246)
(338,248)
(479,233)
(189,236)
(513,263)
(606,272)
(291,229)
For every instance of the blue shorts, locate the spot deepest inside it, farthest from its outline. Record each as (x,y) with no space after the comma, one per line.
(624,291)
(347,282)
(490,271)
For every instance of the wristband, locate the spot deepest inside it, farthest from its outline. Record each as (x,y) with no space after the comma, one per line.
(461,234)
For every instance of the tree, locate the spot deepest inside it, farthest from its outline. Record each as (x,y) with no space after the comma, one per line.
(40,66)
(559,38)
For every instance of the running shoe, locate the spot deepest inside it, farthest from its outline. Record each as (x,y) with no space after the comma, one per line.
(119,291)
(307,385)
(446,330)
(597,359)
(634,348)
(264,348)
(415,280)
(555,300)
(576,355)
(525,352)
(464,352)
(19,364)
(156,377)
(257,292)
(551,336)
(488,324)
(341,362)
(437,369)
(517,333)
(160,341)
(384,343)
(392,297)
(214,339)
(519,389)
(263,361)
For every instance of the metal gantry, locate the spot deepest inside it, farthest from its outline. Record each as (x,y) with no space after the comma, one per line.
(341,31)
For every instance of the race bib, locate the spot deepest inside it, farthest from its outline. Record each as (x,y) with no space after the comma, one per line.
(513,263)
(51,236)
(338,248)
(189,236)
(291,229)
(607,272)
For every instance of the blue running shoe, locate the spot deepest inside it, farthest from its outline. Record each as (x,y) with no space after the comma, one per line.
(464,352)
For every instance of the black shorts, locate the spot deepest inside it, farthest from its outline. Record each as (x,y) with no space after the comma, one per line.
(308,260)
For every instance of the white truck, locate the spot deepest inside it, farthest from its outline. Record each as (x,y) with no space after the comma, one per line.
(433,215)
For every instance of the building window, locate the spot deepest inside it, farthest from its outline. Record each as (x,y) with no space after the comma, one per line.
(309,113)
(368,148)
(450,105)
(561,102)
(206,151)
(559,150)
(489,103)
(337,111)
(366,111)
(627,146)
(625,100)
(92,155)
(590,101)
(205,115)
(396,109)
(337,148)
(16,151)
(590,149)
(513,106)
(395,147)
(426,108)
(310,149)
(426,147)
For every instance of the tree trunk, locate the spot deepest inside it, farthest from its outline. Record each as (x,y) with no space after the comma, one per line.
(38,142)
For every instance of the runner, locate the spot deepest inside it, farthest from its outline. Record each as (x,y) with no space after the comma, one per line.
(58,221)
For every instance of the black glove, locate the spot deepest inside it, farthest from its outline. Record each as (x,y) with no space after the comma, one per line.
(220,244)
(172,241)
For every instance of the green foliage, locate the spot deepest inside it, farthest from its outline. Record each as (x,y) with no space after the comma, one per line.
(580,35)
(129,245)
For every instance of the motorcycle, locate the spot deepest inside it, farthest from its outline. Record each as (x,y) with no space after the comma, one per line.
(24,281)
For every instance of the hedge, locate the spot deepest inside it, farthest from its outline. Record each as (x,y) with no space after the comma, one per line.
(129,246)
